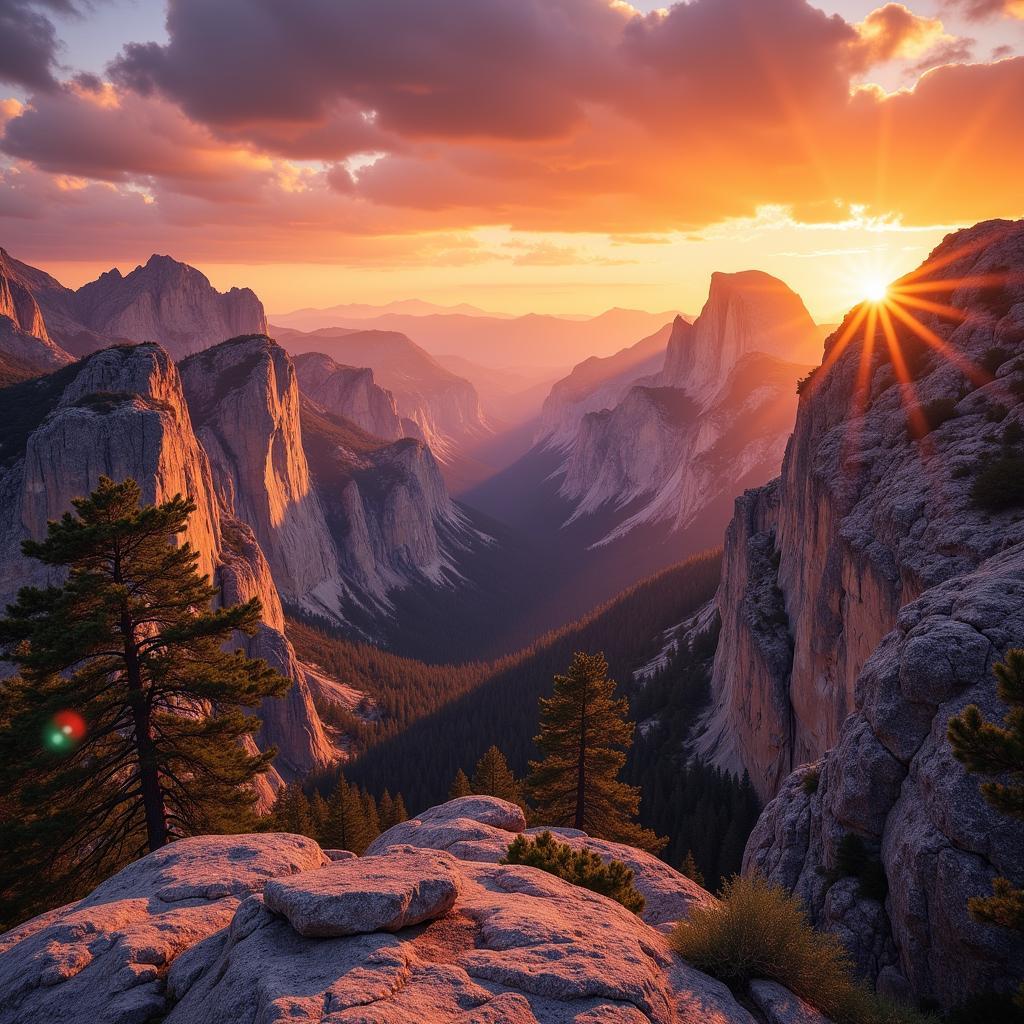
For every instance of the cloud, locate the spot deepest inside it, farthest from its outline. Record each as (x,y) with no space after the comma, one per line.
(894,32)
(28,42)
(319,127)
(982,9)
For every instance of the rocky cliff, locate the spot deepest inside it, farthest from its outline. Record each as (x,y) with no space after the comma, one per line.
(170,303)
(428,926)
(343,518)
(444,407)
(163,301)
(865,597)
(244,401)
(746,312)
(23,333)
(121,413)
(601,383)
(713,420)
(350,392)
(393,522)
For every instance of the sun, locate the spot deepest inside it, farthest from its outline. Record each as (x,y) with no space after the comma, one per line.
(875,290)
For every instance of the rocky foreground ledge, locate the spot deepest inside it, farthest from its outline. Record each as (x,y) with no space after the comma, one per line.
(425,927)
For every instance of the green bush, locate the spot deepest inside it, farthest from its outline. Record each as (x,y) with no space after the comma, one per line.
(758,930)
(938,411)
(987,1008)
(1000,485)
(996,413)
(804,382)
(809,783)
(994,358)
(854,861)
(582,867)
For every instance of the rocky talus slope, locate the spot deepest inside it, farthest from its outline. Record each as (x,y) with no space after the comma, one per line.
(427,926)
(714,419)
(122,413)
(864,600)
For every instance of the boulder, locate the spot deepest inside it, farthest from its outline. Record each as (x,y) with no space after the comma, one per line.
(103,960)
(370,894)
(780,1006)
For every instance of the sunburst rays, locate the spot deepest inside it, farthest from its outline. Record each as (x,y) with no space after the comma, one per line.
(894,321)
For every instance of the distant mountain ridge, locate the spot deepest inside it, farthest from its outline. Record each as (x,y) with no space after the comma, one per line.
(164,301)
(444,407)
(532,341)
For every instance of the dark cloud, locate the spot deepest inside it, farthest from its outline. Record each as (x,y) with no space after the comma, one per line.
(28,42)
(500,68)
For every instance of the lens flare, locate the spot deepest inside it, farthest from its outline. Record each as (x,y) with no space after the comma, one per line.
(875,290)
(65,731)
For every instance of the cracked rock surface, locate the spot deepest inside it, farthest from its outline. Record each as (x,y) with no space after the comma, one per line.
(209,929)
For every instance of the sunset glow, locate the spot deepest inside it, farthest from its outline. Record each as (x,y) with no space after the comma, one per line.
(616,158)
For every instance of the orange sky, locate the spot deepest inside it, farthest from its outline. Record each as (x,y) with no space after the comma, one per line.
(548,155)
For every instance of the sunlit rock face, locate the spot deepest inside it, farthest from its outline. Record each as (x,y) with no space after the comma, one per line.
(432,929)
(864,599)
(714,419)
(170,303)
(122,413)
(351,392)
(746,312)
(23,332)
(244,400)
(601,383)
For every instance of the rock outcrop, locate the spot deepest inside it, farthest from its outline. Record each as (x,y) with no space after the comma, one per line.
(122,413)
(865,597)
(444,407)
(651,438)
(164,301)
(244,402)
(349,392)
(393,522)
(206,930)
(746,312)
(167,302)
(601,383)
(23,333)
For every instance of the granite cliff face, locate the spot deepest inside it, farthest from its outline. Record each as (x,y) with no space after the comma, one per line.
(343,518)
(427,927)
(601,383)
(23,333)
(244,402)
(170,303)
(443,407)
(163,301)
(714,419)
(350,392)
(746,312)
(121,413)
(864,600)
(393,522)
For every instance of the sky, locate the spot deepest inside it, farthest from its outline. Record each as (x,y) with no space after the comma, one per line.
(521,155)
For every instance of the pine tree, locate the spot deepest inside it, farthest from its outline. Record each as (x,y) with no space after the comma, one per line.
(690,869)
(492,777)
(371,812)
(386,808)
(346,827)
(460,786)
(989,749)
(584,738)
(318,815)
(292,812)
(123,669)
(399,813)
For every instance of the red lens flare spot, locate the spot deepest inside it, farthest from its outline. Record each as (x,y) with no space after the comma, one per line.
(65,730)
